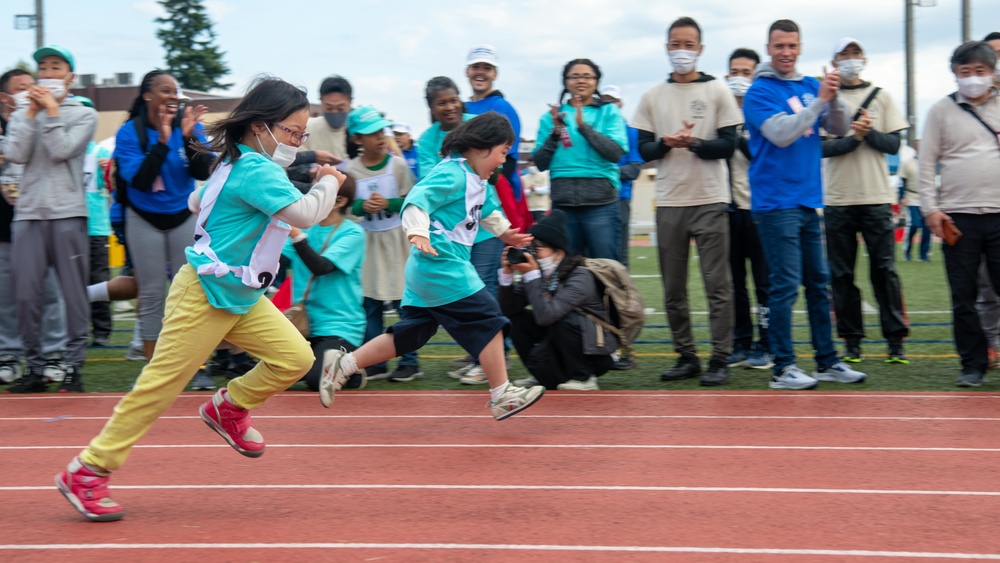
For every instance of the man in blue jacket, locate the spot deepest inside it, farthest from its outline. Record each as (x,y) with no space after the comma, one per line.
(784,111)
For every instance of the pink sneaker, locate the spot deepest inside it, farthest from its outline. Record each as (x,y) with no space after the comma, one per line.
(233,424)
(88,492)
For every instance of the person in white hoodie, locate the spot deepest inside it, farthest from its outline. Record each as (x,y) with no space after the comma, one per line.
(49,137)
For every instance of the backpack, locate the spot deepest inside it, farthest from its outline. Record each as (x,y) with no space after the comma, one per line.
(121,184)
(626,313)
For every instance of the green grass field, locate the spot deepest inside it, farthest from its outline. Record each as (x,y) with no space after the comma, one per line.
(933,365)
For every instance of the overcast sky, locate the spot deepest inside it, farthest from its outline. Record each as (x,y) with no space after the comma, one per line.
(389,49)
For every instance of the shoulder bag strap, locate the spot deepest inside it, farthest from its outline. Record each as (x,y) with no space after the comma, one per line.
(968,108)
(864,105)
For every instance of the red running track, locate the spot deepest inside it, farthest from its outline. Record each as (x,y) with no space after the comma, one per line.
(606,476)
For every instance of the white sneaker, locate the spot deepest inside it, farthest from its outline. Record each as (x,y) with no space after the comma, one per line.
(577,385)
(529,381)
(53,370)
(514,400)
(792,377)
(10,369)
(461,372)
(840,372)
(333,378)
(475,376)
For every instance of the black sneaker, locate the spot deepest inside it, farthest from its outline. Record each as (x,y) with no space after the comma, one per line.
(717,374)
(686,368)
(377,373)
(896,354)
(970,378)
(73,382)
(624,363)
(403,374)
(852,352)
(32,382)
(356,381)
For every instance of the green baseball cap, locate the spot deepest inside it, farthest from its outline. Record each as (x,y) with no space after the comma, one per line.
(85,101)
(55,50)
(366,120)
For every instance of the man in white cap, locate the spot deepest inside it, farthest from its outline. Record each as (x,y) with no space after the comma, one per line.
(404,138)
(481,70)
(629,167)
(858,199)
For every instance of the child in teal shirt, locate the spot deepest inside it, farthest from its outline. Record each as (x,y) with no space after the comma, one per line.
(441,217)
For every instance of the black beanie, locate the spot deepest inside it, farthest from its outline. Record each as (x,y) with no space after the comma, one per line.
(551,230)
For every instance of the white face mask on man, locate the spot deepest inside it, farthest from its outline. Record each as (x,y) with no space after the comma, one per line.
(284,155)
(56,86)
(974,86)
(850,68)
(682,61)
(738,85)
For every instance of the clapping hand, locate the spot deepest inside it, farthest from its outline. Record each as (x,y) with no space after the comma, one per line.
(683,139)
(862,126)
(191,117)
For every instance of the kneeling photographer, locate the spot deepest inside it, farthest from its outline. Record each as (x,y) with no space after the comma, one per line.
(560,346)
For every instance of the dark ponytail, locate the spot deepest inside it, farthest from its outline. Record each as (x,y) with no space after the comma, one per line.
(481,132)
(269,100)
(571,64)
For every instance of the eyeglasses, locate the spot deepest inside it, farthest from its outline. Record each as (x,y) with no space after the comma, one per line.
(297,136)
(586,77)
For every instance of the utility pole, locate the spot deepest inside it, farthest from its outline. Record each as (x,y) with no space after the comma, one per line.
(39,28)
(966,20)
(911,113)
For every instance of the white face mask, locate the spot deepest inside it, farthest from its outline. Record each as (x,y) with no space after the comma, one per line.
(21,100)
(850,68)
(548,265)
(283,155)
(738,85)
(682,61)
(55,85)
(974,86)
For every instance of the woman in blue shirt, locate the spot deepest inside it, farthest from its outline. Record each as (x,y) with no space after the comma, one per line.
(581,142)
(160,170)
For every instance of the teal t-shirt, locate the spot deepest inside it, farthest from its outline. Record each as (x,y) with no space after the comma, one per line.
(429,146)
(581,160)
(256,189)
(336,302)
(98,196)
(429,151)
(432,281)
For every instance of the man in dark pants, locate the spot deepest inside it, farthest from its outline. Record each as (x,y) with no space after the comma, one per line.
(859,198)
(965,211)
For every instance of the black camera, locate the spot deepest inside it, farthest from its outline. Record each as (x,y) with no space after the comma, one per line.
(519,255)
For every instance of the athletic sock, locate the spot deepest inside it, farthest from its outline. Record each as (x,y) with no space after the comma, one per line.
(348,364)
(497,392)
(98,292)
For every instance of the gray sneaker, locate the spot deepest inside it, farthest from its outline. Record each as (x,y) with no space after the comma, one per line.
(202,381)
(970,378)
(839,372)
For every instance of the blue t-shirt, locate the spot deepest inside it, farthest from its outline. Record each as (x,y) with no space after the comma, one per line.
(256,189)
(336,302)
(412,158)
(432,281)
(630,156)
(581,160)
(177,181)
(789,177)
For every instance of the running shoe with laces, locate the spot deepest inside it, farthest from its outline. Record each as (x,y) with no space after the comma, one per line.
(203,380)
(529,381)
(896,354)
(514,400)
(333,378)
(839,373)
(72,380)
(576,385)
(792,377)
(759,359)
(10,369)
(54,370)
(462,371)
(475,376)
(32,382)
(403,374)
(852,352)
(87,491)
(233,424)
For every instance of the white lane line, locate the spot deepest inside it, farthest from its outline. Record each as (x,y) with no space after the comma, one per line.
(542,446)
(605,488)
(512,547)
(552,416)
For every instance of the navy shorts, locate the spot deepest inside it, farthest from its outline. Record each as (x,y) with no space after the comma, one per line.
(472,322)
